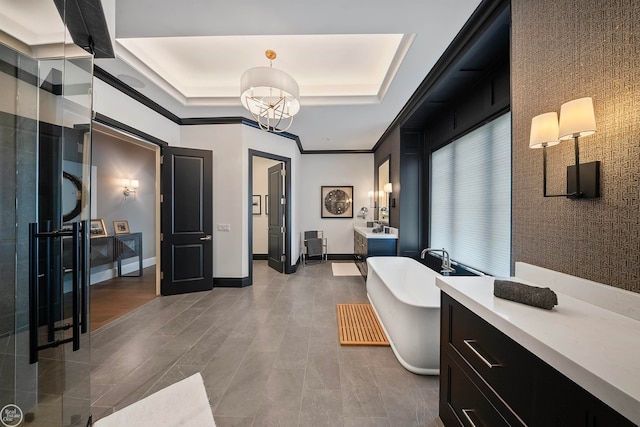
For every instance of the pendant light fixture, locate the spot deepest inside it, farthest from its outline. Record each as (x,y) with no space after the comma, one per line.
(270,95)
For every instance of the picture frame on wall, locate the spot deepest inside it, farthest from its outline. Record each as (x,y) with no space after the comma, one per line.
(121,227)
(256,204)
(336,201)
(97,228)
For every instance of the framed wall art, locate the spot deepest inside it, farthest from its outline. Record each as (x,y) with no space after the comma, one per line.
(336,201)
(97,228)
(121,227)
(256,204)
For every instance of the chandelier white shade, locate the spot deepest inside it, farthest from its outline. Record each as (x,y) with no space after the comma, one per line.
(271,96)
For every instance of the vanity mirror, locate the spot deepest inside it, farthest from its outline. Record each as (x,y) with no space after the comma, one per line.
(383,195)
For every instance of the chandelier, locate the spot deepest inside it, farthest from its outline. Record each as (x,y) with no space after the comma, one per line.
(270,95)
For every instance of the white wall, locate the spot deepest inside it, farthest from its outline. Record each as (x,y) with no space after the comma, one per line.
(230,145)
(228,198)
(261,167)
(116,159)
(334,169)
(118,106)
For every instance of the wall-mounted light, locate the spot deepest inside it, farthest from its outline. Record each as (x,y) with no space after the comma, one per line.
(372,200)
(388,189)
(130,187)
(577,119)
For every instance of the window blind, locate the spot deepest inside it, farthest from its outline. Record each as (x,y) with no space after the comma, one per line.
(471,198)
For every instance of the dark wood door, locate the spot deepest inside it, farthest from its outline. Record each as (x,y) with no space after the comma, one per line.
(187,247)
(277,203)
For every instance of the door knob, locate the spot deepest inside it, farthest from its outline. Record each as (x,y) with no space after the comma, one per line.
(206,238)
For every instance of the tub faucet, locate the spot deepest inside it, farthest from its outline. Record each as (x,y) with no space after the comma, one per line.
(446,260)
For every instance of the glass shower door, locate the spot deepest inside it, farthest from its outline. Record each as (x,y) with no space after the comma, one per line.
(44,337)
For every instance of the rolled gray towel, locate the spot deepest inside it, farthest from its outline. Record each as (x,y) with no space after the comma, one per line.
(525,294)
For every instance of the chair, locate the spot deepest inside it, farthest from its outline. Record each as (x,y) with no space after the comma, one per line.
(314,244)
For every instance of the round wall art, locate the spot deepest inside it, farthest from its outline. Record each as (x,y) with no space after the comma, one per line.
(337,202)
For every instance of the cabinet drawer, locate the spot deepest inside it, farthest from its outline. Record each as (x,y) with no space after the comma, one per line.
(462,403)
(501,362)
(359,244)
(522,387)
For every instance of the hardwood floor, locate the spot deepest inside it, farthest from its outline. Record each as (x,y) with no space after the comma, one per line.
(114,298)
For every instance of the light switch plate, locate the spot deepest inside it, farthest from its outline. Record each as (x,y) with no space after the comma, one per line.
(224,227)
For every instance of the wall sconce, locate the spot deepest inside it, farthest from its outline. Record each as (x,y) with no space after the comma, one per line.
(576,120)
(388,189)
(372,200)
(130,186)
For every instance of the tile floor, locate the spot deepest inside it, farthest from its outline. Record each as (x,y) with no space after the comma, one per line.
(269,355)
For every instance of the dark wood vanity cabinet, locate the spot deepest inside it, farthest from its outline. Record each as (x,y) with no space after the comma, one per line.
(364,248)
(487,379)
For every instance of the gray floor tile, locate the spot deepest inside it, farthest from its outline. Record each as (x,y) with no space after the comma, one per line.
(234,421)
(243,396)
(269,356)
(321,408)
(366,422)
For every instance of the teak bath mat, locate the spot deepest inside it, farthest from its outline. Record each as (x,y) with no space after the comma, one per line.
(358,325)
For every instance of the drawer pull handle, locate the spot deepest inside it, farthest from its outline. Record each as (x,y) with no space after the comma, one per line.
(470,344)
(467,413)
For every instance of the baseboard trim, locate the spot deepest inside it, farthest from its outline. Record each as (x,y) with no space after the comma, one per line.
(340,257)
(112,272)
(231,282)
(260,257)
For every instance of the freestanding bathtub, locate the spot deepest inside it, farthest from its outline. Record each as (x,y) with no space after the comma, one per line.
(404,295)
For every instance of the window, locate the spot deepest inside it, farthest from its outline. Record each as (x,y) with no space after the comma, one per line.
(471,198)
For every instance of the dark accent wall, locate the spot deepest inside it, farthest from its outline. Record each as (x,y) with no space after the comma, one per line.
(563,50)
(469,86)
(480,102)
(410,198)
(390,147)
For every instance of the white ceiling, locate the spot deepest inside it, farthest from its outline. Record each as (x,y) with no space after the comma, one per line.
(357,62)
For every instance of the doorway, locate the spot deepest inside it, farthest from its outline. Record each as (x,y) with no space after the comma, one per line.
(131,216)
(280,205)
(260,206)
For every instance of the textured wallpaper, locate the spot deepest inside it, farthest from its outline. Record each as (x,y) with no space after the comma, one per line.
(563,50)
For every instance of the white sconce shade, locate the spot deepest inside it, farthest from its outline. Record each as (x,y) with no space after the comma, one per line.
(544,130)
(130,186)
(388,187)
(577,118)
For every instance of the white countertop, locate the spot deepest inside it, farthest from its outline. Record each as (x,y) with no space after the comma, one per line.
(596,348)
(369,234)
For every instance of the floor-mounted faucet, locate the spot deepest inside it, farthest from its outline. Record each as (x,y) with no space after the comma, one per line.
(446,261)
